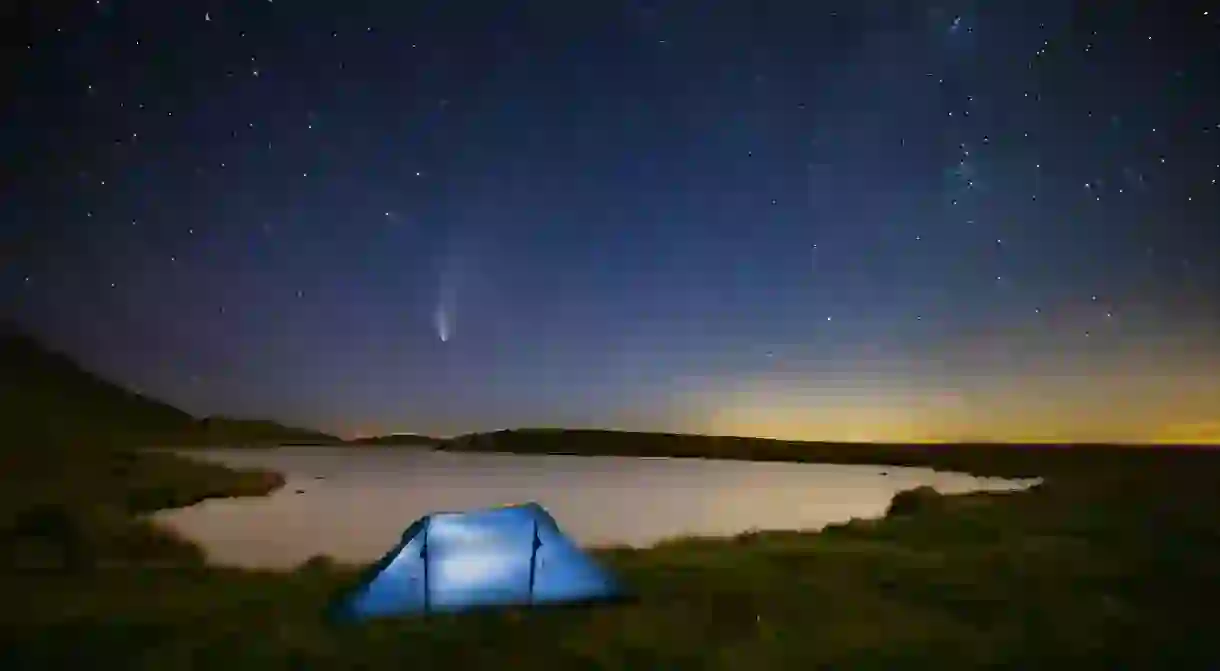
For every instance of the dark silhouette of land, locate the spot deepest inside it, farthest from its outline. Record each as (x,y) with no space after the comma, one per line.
(1110,563)
(397,439)
(229,431)
(48,399)
(985,459)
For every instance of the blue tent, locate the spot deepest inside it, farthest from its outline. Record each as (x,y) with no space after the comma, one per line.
(510,556)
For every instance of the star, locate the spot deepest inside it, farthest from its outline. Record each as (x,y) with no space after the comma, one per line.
(862,177)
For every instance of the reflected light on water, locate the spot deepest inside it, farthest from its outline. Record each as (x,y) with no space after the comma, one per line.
(354,505)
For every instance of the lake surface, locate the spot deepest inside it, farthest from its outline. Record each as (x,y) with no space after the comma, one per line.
(354,503)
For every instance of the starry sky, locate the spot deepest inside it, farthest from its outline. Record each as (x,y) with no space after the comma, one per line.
(874,220)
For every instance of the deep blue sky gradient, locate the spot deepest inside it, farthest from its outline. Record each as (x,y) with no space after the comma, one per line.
(880,220)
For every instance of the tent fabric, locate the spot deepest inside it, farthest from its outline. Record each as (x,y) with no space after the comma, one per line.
(452,561)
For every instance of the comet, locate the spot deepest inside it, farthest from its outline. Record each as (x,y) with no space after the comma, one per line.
(442,321)
(444,317)
(455,266)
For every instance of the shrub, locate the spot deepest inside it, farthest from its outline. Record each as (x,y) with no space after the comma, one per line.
(912,501)
(317,564)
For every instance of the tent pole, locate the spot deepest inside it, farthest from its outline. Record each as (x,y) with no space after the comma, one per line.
(424,555)
(534,559)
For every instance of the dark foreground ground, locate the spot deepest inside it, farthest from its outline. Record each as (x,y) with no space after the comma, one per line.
(1113,563)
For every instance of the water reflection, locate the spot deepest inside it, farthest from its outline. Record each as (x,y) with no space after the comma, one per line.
(353,504)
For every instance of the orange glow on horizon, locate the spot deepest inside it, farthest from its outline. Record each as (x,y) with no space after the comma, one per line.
(1115,408)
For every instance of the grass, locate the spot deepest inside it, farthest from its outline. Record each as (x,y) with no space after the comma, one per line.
(1113,566)
(66,510)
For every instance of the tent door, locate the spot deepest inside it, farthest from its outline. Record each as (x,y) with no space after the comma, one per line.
(479,560)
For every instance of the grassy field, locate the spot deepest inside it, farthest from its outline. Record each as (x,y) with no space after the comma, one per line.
(1117,566)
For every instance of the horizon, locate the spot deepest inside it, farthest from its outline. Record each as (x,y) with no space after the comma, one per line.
(352,436)
(874,222)
(1197,443)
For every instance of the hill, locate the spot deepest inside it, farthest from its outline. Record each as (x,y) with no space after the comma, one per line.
(986,459)
(70,493)
(230,431)
(410,439)
(47,399)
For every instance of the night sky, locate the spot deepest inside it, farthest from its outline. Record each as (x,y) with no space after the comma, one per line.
(868,220)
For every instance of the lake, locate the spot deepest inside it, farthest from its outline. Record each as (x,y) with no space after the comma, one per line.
(353,503)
